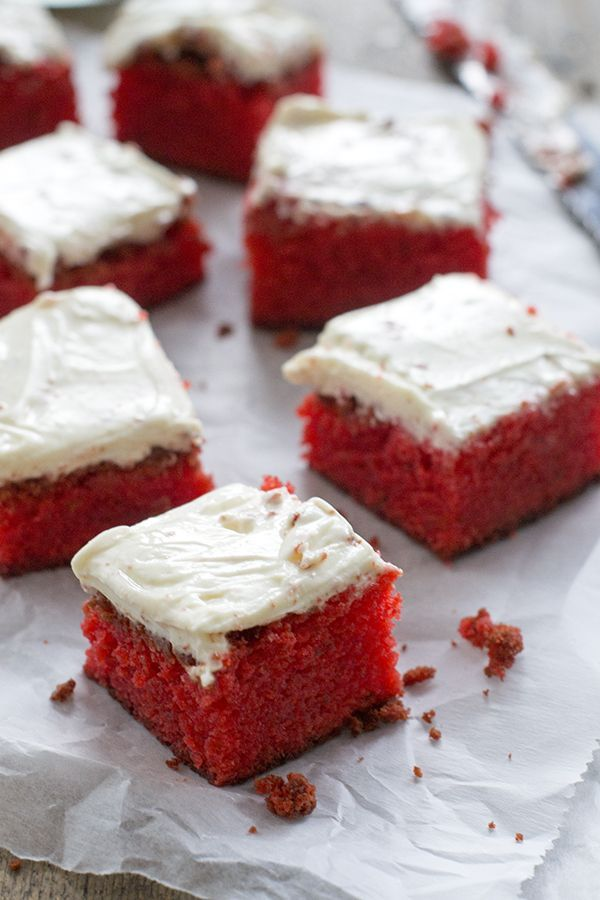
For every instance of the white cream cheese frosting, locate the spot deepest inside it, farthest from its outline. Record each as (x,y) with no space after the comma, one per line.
(29,34)
(446,362)
(68,196)
(312,160)
(258,40)
(233,559)
(83,380)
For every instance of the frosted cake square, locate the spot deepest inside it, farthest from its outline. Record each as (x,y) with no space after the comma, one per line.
(76,209)
(96,427)
(241,628)
(198,79)
(36,89)
(346,209)
(456,413)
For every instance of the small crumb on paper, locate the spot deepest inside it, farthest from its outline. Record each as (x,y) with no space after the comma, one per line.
(369,719)
(519,837)
(289,799)
(64,691)
(173,763)
(253,830)
(15,864)
(502,642)
(435,734)
(417,771)
(492,826)
(418,675)
(428,716)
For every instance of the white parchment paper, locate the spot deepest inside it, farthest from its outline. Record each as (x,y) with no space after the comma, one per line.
(84,786)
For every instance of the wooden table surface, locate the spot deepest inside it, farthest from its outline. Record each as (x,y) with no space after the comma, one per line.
(367,34)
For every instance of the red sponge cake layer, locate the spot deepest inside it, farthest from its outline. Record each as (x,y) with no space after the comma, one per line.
(283,687)
(149,273)
(304,273)
(185,113)
(517,470)
(33,100)
(44,522)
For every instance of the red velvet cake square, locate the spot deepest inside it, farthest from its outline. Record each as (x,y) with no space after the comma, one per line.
(455,413)
(241,628)
(96,428)
(36,91)
(198,79)
(76,209)
(344,210)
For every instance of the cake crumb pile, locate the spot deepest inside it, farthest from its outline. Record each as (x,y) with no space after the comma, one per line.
(289,799)
(502,642)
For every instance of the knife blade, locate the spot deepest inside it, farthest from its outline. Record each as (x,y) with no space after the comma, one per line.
(533,102)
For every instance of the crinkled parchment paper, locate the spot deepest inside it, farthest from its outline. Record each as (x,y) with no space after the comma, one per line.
(84,786)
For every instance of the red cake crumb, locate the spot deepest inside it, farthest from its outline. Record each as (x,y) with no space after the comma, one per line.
(253,830)
(173,763)
(519,837)
(488,54)
(286,339)
(429,716)
(454,643)
(476,629)
(417,675)
(34,100)
(183,112)
(44,522)
(502,642)
(532,310)
(289,800)
(404,648)
(374,542)
(272,483)
(368,720)
(435,734)
(492,826)
(224,330)
(447,40)
(417,771)
(360,759)
(486,692)
(150,273)
(64,691)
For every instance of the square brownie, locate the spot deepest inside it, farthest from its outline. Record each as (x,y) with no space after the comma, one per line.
(76,209)
(36,90)
(241,628)
(345,210)
(96,427)
(198,79)
(456,413)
